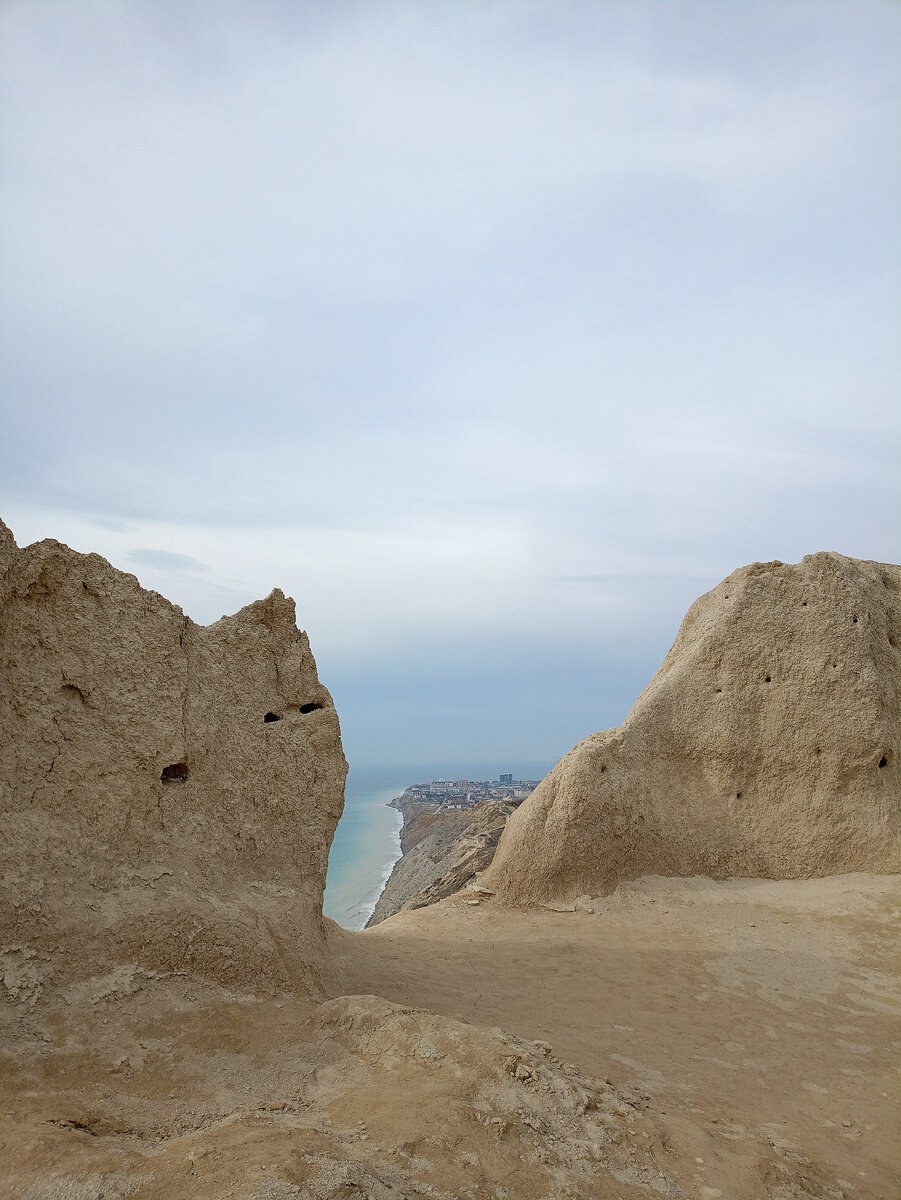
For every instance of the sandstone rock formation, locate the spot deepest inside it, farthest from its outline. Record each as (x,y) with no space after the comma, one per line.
(168,792)
(443,851)
(172,1022)
(767,745)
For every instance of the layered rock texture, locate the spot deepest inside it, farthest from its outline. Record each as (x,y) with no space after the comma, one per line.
(766,745)
(442,851)
(168,792)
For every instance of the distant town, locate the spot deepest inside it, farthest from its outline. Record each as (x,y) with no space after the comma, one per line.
(466,793)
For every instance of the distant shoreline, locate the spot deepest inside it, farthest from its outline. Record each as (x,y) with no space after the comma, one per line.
(399,805)
(386,874)
(368,847)
(363,854)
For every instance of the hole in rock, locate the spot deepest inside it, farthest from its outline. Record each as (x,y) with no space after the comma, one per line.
(769,679)
(883,762)
(603,767)
(72,693)
(308,708)
(270,717)
(854,619)
(818,750)
(803,603)
(738,795)
(176,773)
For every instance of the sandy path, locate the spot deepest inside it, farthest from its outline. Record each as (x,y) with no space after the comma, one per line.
(741,1008)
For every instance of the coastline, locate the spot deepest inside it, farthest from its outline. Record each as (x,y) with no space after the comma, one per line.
(399,806)
(367,908)
(365,850)
(370,843)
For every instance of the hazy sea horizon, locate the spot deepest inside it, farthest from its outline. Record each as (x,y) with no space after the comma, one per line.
(367,841)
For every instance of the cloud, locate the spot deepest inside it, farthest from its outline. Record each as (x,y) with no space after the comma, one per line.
(424,312)
(167,560)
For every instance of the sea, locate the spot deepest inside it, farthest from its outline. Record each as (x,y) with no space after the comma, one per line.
(367,841)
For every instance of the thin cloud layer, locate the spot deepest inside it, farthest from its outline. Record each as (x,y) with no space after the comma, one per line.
(461,322)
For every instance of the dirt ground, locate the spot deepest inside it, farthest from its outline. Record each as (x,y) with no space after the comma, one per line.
(747,1007)
(680,1038)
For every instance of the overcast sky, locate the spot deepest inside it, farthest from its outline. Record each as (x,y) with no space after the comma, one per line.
(494,333)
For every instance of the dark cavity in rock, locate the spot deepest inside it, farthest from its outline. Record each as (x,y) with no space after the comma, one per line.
(176,773)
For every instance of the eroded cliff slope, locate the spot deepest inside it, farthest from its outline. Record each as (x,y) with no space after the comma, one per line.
(168,791)
(766,745)
(442,851)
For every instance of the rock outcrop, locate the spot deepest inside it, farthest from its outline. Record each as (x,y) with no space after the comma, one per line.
(168,791)
(173,1022)
(442,851)
(766,745)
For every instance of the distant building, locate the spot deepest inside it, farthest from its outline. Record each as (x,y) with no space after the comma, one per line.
(466,793)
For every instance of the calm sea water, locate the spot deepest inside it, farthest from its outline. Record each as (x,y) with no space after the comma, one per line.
(367,840)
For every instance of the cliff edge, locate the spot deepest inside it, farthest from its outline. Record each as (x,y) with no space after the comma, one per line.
(168,791)
(168,796)
(766,745)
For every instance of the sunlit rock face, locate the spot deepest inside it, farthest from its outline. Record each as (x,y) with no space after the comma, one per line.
(168,791)
(766,745)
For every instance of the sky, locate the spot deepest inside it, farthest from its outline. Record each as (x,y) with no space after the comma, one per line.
(493,331)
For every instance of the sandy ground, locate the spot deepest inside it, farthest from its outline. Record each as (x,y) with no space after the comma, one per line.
(747,1007)
(729,1040)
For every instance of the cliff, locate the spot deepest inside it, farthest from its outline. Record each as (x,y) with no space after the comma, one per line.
(168,792)
(766,745)
(442,851)
(176,1019)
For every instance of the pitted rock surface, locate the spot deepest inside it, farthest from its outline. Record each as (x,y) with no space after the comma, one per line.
(767,745)
(168,791)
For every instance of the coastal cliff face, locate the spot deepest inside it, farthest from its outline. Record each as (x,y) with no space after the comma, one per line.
(168,792)
(441,852)
(766,745)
